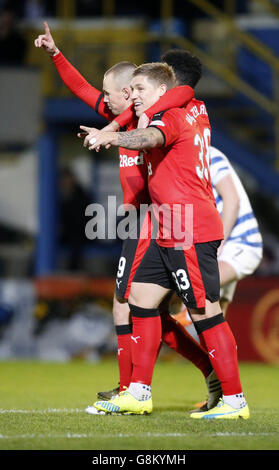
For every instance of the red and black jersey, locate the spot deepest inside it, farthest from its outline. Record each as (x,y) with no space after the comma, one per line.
(133,175)
(179,176)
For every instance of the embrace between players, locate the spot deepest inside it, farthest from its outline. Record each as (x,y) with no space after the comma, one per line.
(169,129)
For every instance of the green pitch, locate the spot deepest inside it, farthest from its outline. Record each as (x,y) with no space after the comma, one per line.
(42,407)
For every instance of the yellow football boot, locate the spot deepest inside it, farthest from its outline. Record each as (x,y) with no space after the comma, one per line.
(223,411)
(125,403)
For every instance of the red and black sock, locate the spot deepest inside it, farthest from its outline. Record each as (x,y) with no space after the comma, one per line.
(145,342)
(222,350)
(124,354)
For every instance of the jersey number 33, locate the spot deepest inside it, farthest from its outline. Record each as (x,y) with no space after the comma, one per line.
(203,142)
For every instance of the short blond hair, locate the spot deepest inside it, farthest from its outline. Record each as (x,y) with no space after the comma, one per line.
(122,73)
(158,72)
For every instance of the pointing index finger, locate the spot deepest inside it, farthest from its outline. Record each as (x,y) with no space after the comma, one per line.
(85,128)
(47,30)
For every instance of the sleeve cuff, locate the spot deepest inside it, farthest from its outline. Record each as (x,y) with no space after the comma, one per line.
(159,129)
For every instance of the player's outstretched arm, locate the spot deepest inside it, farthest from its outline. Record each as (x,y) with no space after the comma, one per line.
(95,138)
(88,134)
(71,77)
(111,127)
(138,139)
(141,139)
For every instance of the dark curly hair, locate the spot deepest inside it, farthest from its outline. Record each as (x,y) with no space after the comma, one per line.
(187,67)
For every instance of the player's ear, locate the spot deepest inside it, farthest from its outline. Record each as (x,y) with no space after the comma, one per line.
(126,92)
(163,89)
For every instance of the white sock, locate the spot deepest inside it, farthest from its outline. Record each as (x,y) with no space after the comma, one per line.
(140,391)
(235,401)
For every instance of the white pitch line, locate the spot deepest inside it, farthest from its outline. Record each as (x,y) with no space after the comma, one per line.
(47,410)
(125,436)
(239,434)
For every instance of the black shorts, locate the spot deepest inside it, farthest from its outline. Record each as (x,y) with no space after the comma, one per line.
(133,250)
(192,273)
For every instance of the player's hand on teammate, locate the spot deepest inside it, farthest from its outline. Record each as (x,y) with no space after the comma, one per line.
(113,126)
(94,138)
(143,121)
(45,41)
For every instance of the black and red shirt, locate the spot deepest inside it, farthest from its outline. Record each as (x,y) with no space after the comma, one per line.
(179,176)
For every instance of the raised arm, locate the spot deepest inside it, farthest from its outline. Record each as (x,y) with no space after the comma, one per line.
(46,41)
(73,80)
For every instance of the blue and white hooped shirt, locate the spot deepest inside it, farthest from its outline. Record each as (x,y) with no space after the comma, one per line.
(245,230)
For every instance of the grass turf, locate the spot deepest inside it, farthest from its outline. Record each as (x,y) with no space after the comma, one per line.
(42,408)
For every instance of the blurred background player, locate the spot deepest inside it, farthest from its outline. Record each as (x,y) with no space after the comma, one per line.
(113,101)
(241,251)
